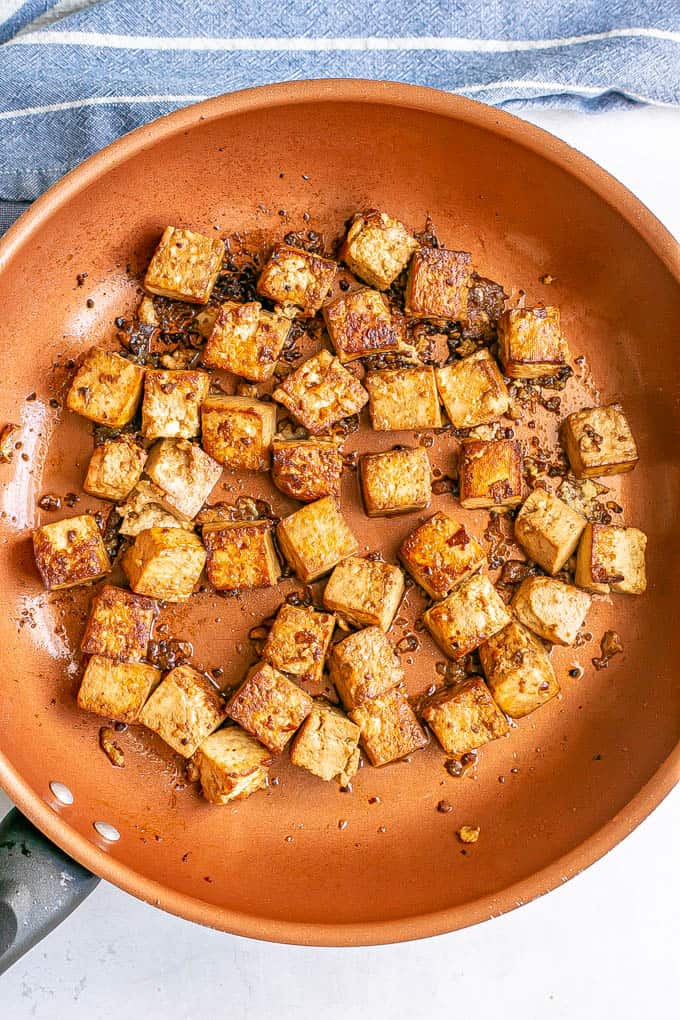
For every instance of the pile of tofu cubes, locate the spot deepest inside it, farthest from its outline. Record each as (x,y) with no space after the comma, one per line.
(161,476)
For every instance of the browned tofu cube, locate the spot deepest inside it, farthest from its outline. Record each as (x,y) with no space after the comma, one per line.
(395,482)
(403,398)
(292,276)
(321,392)
(327,744)
(464,717)
(364,666)
(238,431)
(184,709)
(298,641)
(115,468)
(70,552)
(612,558)
(553,610)
(599,442)
(164,563)
(184,473)
(106,388)
(365,592)
(548,530)
(144,508)
(246,340)
(269,706)
(184,266)
(438,284)
(306,469)
(530,342)
(117,690)
(441,554)
(389,728)
(231,765)
(119,625)
(241,555)
(472,390)
(316,538)
(467,617)
(172,402)
(490,473)
(360,323)
(518,670)
(377,248)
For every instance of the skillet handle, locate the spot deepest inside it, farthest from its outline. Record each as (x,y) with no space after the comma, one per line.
(39,887)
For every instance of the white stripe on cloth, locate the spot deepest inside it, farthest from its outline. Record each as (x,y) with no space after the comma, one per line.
(31,111)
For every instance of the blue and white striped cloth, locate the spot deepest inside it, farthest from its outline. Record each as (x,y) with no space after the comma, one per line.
(75,74)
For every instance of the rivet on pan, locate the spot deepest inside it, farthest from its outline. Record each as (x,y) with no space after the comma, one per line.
(107,831)
(62,793)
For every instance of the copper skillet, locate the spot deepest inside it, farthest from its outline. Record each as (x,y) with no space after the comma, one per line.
(579,774)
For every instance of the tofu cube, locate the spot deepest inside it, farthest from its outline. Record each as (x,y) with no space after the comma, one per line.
(164,563)
(490,473)
(316,538)
(321,392)
(473,391)
(292,276)
(184,266)
(441,554)
(360,323)
(143,509)
(298,641)
(377,248)
(116,690)
(115,468)
(185,475)
(241,555)
(548,530)
(106,388)
(119,625)
(403,398)
(306,469)
(269,706)
(599,442)
(518,670)
(389,728)
(171,404)
(467,617)
(238,431)
(363,666)
(246,340)
(438,284)
(365,592)
(530,342)
(464,717)
(327,744)
(231,765)
(553,610)
(395,482)
(184,709)
(612,558)
(70,552)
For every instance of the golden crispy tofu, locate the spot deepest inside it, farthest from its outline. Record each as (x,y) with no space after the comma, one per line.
(321,392)
(231,765)
(119,625)
(464,717)
(164,563)
(70,552)
(238,431)
(246,340)
(327,744)
(184,709)
(171,404)
(518,670)
(612,558)
(316,538)
(531,343)
(467,617)
(115,468)
(553,610)
(377,248)
(241,555)
(365,592)
(106,388)
(292,276)
(395,482)
(298,641)
(441,554)
(117,690)
(438,284)
(490,473)
(389,728)
(143,509)
(360,323)
(598,441)
(472,390)
(548,530)
(185,475)
(184,266)
(269,706)
(364,666)
(306,469)
(403,398)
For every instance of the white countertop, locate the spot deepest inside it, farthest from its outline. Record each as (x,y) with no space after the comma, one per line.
(604,945)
